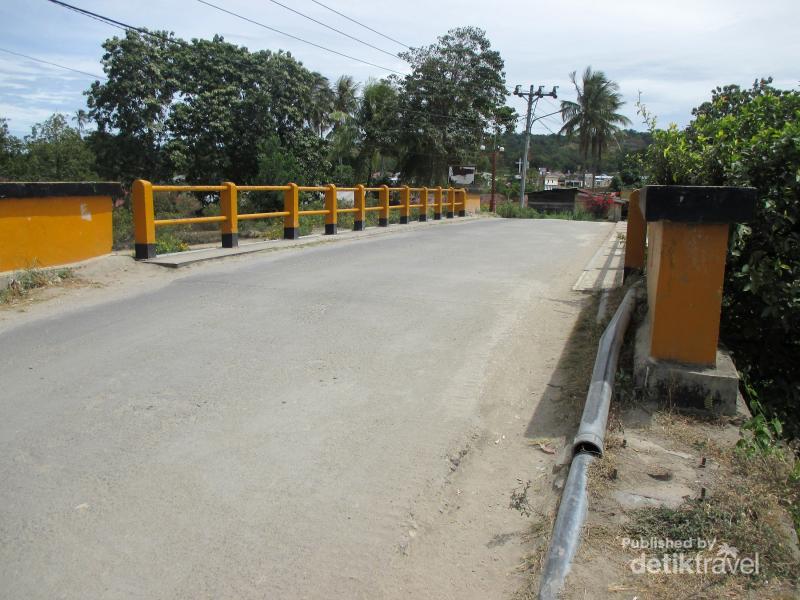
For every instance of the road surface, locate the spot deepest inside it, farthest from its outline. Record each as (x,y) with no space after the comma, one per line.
(268,427)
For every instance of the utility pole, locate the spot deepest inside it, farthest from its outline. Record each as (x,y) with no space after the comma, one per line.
(530,95)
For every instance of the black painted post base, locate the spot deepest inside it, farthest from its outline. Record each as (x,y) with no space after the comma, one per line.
(358,225)
(383,222)
(449,215)
(145,251)
(462,213)
(437,216)
(330,228)
(291,233)
(230,240)
(403,220)
(423,218)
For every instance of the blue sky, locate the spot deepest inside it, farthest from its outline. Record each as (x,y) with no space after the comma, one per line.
(673,52)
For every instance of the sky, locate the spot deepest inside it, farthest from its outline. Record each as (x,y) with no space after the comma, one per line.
(672,52)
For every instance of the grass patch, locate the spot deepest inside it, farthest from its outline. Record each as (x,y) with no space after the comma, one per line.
(22,282)
(510,210)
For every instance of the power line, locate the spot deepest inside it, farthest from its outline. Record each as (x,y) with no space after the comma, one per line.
(333,10)
(339,31)
(52,64)
(294,37)
(117,24)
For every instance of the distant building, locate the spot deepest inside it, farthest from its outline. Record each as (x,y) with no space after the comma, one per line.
(552,180)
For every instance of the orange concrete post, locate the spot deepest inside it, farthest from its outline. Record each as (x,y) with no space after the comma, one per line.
(360,204)
(635,237)
(229,207)
(291,204)
(405,208)
(437,204)
(451,202)
(144,228)
(462,194)
(423,200)
(330,205)
(688,233)
(383,196)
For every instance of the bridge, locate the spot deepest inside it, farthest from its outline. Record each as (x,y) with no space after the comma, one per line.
(334,420)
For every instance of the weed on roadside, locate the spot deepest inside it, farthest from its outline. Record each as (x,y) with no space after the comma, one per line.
(22,282)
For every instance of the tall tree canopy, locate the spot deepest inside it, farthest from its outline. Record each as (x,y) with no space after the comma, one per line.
(594,116)
(455,91)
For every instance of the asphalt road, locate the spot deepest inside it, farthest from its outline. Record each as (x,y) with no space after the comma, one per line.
(260,428)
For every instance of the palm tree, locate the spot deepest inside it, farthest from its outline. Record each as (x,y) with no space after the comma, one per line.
(593,117)
(322,97)
(80,119)
(345,95)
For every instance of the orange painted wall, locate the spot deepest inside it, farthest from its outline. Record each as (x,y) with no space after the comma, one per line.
(685,272)
(51,231)
(473,204)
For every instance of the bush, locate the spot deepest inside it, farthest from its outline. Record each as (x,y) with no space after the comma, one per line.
(750,138)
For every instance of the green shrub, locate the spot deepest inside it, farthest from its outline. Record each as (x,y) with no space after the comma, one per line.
(167,242)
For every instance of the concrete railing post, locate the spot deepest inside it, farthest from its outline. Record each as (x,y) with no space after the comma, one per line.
(229,207)
(423,200)
(331,218)
(360,204)
(291,204)
(437,204)
(144,229)
(383,195)
(677,353)
(635,237)
(405,209)
(463,209)
(451,202)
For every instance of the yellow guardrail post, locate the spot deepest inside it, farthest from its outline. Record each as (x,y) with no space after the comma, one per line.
(451,202)
(405,210)
(360,204)
(229,207)
(330,205)
(383,220)
(423,210)
(291,204)
(144,228)
(463,212)
(437,204)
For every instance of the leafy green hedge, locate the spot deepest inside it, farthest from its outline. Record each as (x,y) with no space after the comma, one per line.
(750,138)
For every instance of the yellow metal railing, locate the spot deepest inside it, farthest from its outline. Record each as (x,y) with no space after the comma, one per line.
(452,201)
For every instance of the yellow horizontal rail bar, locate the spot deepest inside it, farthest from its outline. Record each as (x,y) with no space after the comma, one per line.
(269,215)
(188,188)
(415,206)
(372,189)
(262,188)
(189,221)
(371,208)
(311,188)
(347,210)
(313,212)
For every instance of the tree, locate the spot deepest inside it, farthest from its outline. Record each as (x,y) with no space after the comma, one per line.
(53,151)
(322,98)
(132,106)
(452,96)
(378,121)
(202,110)
(594,116)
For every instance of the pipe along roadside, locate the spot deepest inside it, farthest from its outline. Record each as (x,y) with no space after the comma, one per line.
(587,446)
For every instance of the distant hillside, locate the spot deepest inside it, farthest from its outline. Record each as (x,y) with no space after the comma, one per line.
(557,153)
